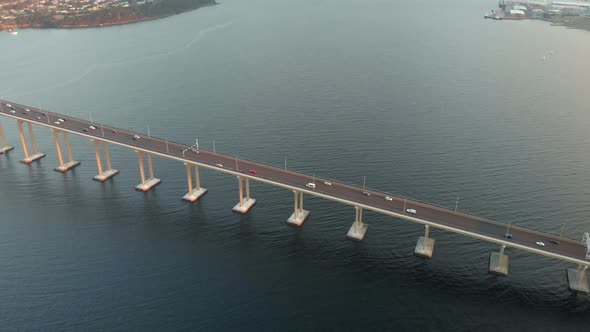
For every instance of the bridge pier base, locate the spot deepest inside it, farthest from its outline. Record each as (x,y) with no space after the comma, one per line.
(578,280)
(64,167)
(425,245)
(358,229)
(193,194)
(499,262)
(4,148)
(146,185)
(110,172)
(36,154)
(246,203)
(299,214)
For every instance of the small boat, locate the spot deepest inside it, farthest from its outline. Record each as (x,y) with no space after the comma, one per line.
(493,17)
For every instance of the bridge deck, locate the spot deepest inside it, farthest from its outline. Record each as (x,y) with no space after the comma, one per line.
(524,239)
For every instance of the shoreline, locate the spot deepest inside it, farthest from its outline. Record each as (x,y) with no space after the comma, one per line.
(84,26)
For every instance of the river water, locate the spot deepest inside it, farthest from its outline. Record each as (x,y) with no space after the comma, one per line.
(425,100)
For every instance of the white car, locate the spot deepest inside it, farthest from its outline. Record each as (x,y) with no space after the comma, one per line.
(61,120)
(310,185)
(219,165)
(327,183)
(12,111)
(540,244)
(412,211)
(387,198)
(27,110)
(136,137)
(92,127)
(57,122)
(8,105)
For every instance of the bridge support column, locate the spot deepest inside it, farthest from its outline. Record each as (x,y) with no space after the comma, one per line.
(499,262)
(36,154)
(425,245)
(578,280)
(4,148)
(246,203)
(102,175)
(146,185)
(247,188)
(193,194)
(299,214)
(358,229)
(64,167)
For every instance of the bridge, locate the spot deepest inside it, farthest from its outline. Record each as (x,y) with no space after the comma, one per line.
(193,158)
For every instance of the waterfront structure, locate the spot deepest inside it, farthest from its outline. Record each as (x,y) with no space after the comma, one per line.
(569,250)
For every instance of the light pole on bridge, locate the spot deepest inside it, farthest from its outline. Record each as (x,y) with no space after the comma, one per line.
(562,228)
(508,235)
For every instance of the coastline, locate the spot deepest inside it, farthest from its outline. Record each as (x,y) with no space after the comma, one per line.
(106,23)
(85,26)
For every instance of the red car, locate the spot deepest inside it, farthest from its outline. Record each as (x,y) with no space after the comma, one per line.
(252,171)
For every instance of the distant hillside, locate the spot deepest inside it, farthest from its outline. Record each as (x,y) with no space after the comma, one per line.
(116,15)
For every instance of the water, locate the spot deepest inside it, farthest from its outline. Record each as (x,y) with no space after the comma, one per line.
(425,100)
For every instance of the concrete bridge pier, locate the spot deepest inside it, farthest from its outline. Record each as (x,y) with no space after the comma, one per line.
(499,262)
(299,214)
(64,167)
(4,148)
(146,185)
(36,154)
(578,280)
(358,229)
(110,172)
(246,203)
(193,194)
(425,245)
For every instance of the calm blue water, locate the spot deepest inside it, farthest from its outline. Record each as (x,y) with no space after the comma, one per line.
(426,100)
